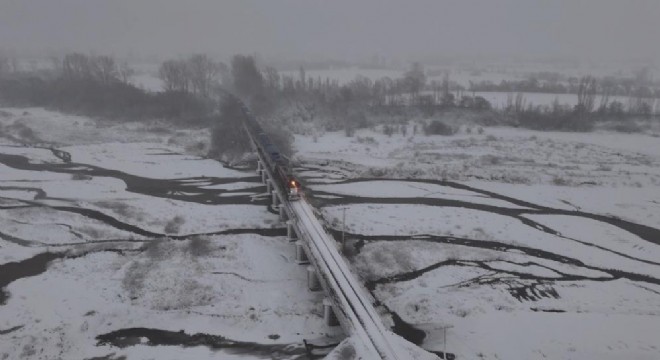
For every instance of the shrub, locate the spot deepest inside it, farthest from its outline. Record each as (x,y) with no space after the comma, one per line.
(437,127)
(490,160)
(627,127)
(134,278)
(199,246)
(564,120)
(80,176)
(368,140)
(173,226)
(156,249)
(560,181)
(228,140)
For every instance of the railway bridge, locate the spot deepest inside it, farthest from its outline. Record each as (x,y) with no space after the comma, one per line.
(347,303)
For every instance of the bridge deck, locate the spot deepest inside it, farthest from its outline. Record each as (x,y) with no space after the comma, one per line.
(351,302)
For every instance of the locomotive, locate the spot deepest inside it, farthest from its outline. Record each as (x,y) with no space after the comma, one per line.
(278,164)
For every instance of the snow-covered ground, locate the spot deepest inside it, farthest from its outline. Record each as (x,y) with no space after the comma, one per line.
(137,249)
(499,154)
(528,245)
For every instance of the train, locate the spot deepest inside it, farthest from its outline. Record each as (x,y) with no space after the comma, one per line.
(277,163)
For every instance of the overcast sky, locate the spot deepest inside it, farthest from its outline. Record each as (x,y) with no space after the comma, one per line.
(339,29)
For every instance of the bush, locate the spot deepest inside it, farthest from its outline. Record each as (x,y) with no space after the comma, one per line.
(490,160)
(228,139)
(562,120)
(199,246)
(367,140)
(627,127)
(280,137)
(437,127)
(156,249)
(80,176)
(560,181)
(173,226)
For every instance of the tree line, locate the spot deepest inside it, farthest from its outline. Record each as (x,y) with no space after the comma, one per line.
(95,85)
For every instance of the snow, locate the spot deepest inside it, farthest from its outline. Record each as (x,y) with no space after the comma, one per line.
(411,220)
(50,227)
(498,155)
(37,156)
(576,295)
(142,159)
(245,287)
(405,189)
(591,336)
(248,287)
(360,316)
(604,235)
(487,321)
(637,204)
(222,303)
(10,252)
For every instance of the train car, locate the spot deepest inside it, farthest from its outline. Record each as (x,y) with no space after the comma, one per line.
(276,163)
(288,182)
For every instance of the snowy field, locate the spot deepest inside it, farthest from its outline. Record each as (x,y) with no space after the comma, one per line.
(137,249)
(528,245)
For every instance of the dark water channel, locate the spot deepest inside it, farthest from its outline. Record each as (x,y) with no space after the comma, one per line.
(156,337)
(185,189)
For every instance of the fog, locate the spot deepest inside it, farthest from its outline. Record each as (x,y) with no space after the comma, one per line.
(338,29)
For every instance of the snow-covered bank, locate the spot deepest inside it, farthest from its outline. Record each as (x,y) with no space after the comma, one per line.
(527,244)
(90,237)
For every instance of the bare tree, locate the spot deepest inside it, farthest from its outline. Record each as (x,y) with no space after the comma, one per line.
(204,74)
(415,79)
(302,82)
(76,66)
(515,104)
(104,69)
(586,94)
(174,74)
(247,79)
(272,79)
(125,72)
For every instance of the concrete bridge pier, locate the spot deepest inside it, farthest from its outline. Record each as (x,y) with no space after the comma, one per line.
(301,256)
(329,316)
(282,214)
(290,232)
(276,199)
(313,282)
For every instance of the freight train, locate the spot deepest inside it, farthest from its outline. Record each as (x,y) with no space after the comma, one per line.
(277,163)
